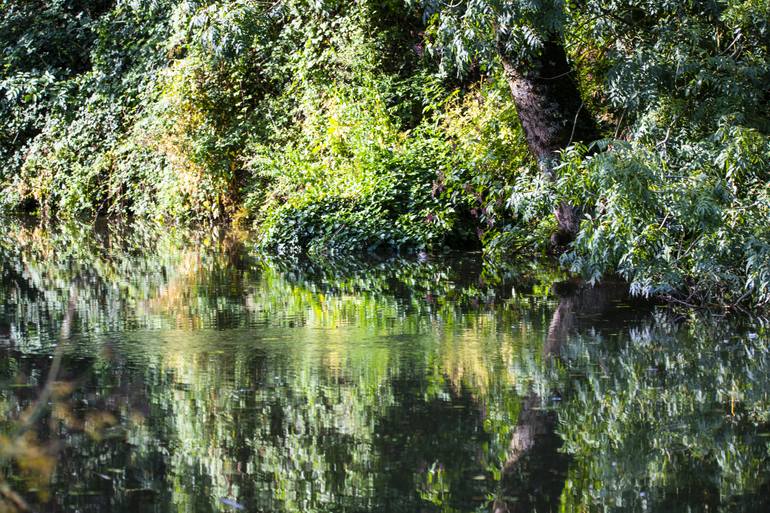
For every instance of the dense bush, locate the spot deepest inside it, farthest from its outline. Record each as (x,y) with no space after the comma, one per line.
(335,127)
(675,198)
(695,221)
(680,205)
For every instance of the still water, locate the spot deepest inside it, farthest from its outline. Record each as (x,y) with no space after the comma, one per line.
(173,373)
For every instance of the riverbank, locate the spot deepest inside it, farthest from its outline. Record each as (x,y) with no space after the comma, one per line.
(332,129)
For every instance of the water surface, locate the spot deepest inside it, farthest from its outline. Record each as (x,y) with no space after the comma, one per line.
(188,374)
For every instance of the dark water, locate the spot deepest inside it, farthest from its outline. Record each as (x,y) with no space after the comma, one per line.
(187,374)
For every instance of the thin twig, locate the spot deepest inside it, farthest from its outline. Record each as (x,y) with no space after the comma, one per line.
(14,498)
(574,123)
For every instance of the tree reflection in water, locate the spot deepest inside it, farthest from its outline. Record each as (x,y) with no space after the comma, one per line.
(202,378)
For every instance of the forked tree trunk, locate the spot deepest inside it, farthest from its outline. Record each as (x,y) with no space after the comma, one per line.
(552,114)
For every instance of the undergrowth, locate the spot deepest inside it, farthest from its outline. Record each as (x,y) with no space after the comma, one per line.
(332,128)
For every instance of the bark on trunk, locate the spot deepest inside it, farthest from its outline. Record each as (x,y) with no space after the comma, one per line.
(551,112)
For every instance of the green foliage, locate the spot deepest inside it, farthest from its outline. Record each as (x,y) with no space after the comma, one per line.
(334,127)
(698,227)
(340,176)
(355,181)
(69,115)
(675,200)
(487,171)
(40,43)
(471,34)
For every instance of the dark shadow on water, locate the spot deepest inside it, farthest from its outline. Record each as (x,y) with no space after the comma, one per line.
(534,474)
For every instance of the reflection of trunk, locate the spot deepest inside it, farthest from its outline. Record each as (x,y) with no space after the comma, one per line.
(534,473)
(551,112)
(533,476)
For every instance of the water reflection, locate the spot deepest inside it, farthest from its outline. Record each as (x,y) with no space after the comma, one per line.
(199,377)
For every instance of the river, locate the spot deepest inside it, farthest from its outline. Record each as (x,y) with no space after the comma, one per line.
(174,372)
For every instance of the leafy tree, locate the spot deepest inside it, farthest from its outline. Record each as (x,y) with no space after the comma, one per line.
(666,82)
(527,39)
(333,127)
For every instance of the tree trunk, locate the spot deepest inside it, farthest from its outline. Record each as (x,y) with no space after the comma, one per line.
(548,103)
